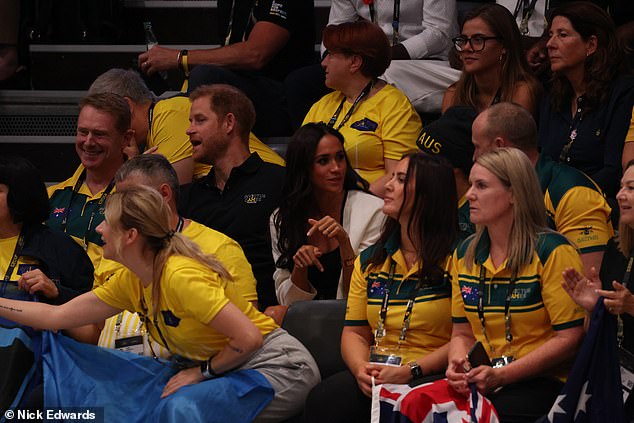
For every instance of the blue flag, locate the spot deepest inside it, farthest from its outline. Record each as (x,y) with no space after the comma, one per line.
(593,390)
(128,387)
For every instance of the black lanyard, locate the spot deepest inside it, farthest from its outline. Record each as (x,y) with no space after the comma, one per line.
(507,307)
(564,156)
(361,96)
(619,320)
(527,6)
(102,199)
(396,17)
(14,259)
(380,331)
(179,225)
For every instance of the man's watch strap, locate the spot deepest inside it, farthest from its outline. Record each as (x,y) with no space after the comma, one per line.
(207,371)
(415,370)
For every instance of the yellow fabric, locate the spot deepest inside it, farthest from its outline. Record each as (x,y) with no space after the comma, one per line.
(583,217)
(7,248)
(539,306)
(630,133)
(430,325)
(170,120)
(190,296)
(210,241)
(255,146)
(398,126)
(95,252)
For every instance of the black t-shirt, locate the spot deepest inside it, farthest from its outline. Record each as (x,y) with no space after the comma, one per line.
(296,16)
(241,211)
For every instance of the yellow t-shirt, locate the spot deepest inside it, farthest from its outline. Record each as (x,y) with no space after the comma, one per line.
(385,126)
(24,264)
(539,304)
(210,241)
(190,296)
(430,325)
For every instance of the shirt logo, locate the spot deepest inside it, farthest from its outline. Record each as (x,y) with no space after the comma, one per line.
(277,9)
(170,319)
(23,268)
(365,125)
(57,211)
(254,198)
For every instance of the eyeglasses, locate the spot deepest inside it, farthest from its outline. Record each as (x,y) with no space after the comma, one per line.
(476,42)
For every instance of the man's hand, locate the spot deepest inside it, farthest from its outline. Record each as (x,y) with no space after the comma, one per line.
(34,281)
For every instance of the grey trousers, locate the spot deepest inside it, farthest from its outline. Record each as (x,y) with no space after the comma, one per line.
(290,369)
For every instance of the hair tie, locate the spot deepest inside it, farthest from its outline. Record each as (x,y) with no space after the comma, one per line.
(169,236)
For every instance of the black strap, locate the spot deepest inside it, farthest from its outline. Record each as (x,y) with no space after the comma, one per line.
(14,259)
(628,271)
(366,90)
(396,17)
(507,306)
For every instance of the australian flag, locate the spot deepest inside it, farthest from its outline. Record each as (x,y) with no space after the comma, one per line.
(593,390)
(431,403)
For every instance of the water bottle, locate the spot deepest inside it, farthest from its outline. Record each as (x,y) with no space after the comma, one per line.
(151,41)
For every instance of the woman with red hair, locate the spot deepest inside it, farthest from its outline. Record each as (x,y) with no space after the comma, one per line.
(377,120)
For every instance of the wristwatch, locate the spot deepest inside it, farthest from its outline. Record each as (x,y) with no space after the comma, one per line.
(415,370)
(207,370)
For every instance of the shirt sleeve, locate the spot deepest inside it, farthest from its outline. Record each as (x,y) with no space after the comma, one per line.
(400,127)
(630,132)
(583,216)
(356,307)
(121,291)
(439,26)
(279,12)
(562,310)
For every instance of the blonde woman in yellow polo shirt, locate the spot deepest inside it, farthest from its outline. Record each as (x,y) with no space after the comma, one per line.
(507,293)
(187,309)
(399,301)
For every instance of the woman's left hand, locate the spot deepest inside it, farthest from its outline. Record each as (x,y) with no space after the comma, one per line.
(328,227)
(618,301)
(389,374)
(182,378)
(487,379)
(35,281)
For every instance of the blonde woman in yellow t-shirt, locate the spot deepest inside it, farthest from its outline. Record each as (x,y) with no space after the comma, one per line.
(181,294)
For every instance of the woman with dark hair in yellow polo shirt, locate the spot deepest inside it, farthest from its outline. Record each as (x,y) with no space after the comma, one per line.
(507,293)
(398,319)
(187,305)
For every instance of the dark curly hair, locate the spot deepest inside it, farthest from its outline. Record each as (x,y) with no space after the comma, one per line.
(27,198)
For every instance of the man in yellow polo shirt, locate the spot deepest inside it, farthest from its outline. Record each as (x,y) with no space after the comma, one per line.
(77,204)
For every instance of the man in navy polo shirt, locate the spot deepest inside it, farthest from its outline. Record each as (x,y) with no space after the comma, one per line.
(241,191)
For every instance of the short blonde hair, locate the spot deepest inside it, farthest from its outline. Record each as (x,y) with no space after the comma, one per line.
(515,171)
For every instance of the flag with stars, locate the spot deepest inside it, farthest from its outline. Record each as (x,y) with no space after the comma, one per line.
(593,390)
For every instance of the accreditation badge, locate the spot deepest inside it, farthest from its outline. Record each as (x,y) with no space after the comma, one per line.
(386,356)
(134,342)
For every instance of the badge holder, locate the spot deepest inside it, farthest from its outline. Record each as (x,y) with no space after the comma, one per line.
(386,356)
(134,342)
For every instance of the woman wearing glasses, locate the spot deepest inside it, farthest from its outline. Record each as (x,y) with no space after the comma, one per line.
(377,120)
(188,304)
(507,293)
(585,118)
(494,66)
(399,300)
